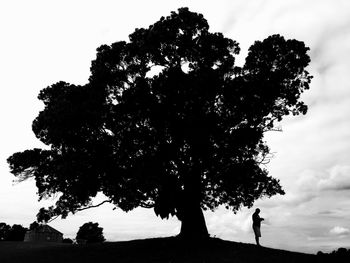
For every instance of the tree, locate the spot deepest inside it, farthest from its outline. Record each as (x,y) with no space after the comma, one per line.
(167,121)
(90,232)
(33,226)
(16,233)
(4,231)
(67,241)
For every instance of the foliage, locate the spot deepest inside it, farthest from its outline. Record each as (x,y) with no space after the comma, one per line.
(339,255)
(14,233)
(4,231)
(17,233)
(67,241)
(34,225)
(90,232)
(166,121)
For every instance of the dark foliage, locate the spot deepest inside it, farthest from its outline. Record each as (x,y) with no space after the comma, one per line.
(167,121)
(4,231)
(339,255)
(91,233)
(67,241)
(14,233)
(34,225)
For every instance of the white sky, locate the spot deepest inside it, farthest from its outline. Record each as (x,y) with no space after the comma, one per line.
(43,42)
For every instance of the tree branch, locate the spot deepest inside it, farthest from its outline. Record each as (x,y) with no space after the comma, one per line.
(146,205)
(52,219)
(84,208)
(265,159)
(93,206)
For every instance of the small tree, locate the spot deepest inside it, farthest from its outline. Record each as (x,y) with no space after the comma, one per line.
(16,233)
(4,231)
(67,241)
(90,232)
(34,225)
(184,137)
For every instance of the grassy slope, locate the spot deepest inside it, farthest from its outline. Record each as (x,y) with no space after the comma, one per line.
(148,250)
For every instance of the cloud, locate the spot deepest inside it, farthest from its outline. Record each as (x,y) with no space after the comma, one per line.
(326,213)
(312,182)
(339,179)
(339,231)
(291,199)
(224,222)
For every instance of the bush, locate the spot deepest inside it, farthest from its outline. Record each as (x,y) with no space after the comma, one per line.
(34,225)
(16,233)
(90,232)
(340,255)
(67,241)
(4,231)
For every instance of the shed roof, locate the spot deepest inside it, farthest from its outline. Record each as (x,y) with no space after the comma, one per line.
(46,229)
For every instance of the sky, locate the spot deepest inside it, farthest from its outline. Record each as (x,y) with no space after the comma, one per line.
(43,42)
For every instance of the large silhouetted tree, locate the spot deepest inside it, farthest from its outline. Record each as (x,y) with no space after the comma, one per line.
(167,121)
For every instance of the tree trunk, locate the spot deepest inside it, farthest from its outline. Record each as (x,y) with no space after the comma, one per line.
(192,219)
(193,225)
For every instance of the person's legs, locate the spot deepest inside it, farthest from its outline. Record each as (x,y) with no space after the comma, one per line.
(257,240)
(257,234)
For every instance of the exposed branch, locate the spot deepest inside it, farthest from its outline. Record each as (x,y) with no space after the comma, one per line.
(52,219)
(93,206)
(84,208)
(265,159)
(24,175)
(146,205)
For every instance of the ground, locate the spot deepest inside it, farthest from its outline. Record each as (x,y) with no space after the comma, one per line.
(149,250)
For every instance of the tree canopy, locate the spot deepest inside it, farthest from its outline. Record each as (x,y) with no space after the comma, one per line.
(167,121)
(90,232)
(14,233)
(33,226)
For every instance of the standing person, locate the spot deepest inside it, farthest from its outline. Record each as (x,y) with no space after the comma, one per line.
(256,225)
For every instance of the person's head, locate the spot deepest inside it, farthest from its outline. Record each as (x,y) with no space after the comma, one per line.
(257,210)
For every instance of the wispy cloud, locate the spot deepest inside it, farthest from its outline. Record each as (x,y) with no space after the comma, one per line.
(339,231)
(339,179)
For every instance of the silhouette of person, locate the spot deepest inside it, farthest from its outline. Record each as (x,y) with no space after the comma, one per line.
(256,225)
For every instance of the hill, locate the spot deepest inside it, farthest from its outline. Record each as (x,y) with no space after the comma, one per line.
(168,249)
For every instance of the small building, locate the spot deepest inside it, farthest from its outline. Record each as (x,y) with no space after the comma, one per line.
(43,233)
